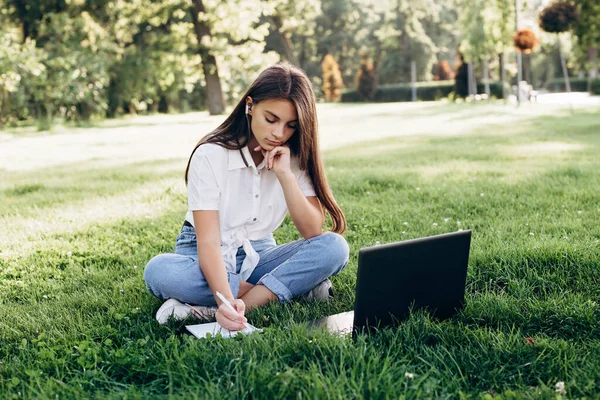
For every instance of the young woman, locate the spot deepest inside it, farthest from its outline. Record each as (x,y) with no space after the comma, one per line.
(242,179)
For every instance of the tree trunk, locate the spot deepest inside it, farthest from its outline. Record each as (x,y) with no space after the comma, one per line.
(472,84)
(284,40)
(3,106)
(21,7)
(527,67)
(593,57)
(502,75)
(564,66)
(406,48)
(519,75)
(374,39)
(303,52)
(214,92)
(486,77)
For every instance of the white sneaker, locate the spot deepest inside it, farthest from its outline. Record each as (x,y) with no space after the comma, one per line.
(178,311)
(322,292)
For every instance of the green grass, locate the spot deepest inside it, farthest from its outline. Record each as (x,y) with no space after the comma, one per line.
(77,322)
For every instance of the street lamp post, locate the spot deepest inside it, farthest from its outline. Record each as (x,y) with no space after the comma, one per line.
(519,56)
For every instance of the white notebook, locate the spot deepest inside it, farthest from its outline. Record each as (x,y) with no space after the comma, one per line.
(213,328)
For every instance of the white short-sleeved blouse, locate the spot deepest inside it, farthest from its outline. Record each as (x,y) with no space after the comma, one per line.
(249,199)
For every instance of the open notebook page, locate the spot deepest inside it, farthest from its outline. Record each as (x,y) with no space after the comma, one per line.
(213,328)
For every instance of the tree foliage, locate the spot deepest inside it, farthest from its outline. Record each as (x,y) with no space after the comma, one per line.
(558,17)
(588,28)
(443,72)
(86,59)
(525,40)
(332,79)
(366,82)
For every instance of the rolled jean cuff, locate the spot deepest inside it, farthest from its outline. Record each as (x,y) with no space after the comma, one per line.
(275,286)
(234,283)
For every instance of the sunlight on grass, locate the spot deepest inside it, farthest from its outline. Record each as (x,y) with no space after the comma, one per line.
(551,150)
(77,321)
(19,234)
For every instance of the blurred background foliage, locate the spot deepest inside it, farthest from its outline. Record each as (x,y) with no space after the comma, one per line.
(78,60)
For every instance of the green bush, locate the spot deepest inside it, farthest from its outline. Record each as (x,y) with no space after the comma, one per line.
(426,91)
(595,86)
(577,85)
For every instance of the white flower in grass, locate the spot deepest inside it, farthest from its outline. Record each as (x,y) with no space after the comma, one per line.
(458,223)
(435,224)
(446,219)
(69,254)
(377,243)
(409,375)
(579,212)
(560,388)
(45,297)
(135,267)
(531,234)
(418,188)
(481,194)
(405,223)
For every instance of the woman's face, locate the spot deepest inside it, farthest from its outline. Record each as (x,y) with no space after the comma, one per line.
(273,122)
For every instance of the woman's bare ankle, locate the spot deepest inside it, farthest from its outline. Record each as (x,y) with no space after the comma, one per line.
(245,287)
(257,296)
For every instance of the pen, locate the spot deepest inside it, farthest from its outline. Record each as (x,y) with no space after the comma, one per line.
(228,305)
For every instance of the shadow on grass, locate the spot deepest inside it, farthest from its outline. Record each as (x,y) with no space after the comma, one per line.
(79,323)
(94,314)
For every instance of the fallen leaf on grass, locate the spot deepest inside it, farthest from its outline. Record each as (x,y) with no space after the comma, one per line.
(530,341)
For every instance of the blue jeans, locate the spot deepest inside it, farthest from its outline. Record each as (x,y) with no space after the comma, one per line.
(288,270)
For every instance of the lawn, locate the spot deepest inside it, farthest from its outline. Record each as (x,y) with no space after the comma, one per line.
(77,322)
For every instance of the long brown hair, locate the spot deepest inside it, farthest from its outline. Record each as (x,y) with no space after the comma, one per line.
(283,81)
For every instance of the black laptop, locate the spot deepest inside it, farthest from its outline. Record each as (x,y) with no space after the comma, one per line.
(393,279)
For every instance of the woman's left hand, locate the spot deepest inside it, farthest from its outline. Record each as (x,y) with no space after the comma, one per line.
(277,159)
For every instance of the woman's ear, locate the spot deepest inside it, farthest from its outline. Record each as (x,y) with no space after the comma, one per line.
(248,105)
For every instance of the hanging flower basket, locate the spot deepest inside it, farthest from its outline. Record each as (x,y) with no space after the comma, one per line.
(525,40)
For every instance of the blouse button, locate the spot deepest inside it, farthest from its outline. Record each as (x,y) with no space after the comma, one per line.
(253,219)
(256,196)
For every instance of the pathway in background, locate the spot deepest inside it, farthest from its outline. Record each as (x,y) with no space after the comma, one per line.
(160,137)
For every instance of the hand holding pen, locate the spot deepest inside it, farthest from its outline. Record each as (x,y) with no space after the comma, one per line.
(230,315)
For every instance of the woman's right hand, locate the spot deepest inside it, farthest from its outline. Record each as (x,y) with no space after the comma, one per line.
(233,321)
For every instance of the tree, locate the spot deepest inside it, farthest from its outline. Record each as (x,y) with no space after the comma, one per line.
(588,31)
(525,41)
(366,82)
(20,65)
(443,72)
(403,36)
(487,29)
(557,18)
(216,100)
(332,78)
(292,22)
(343,28)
